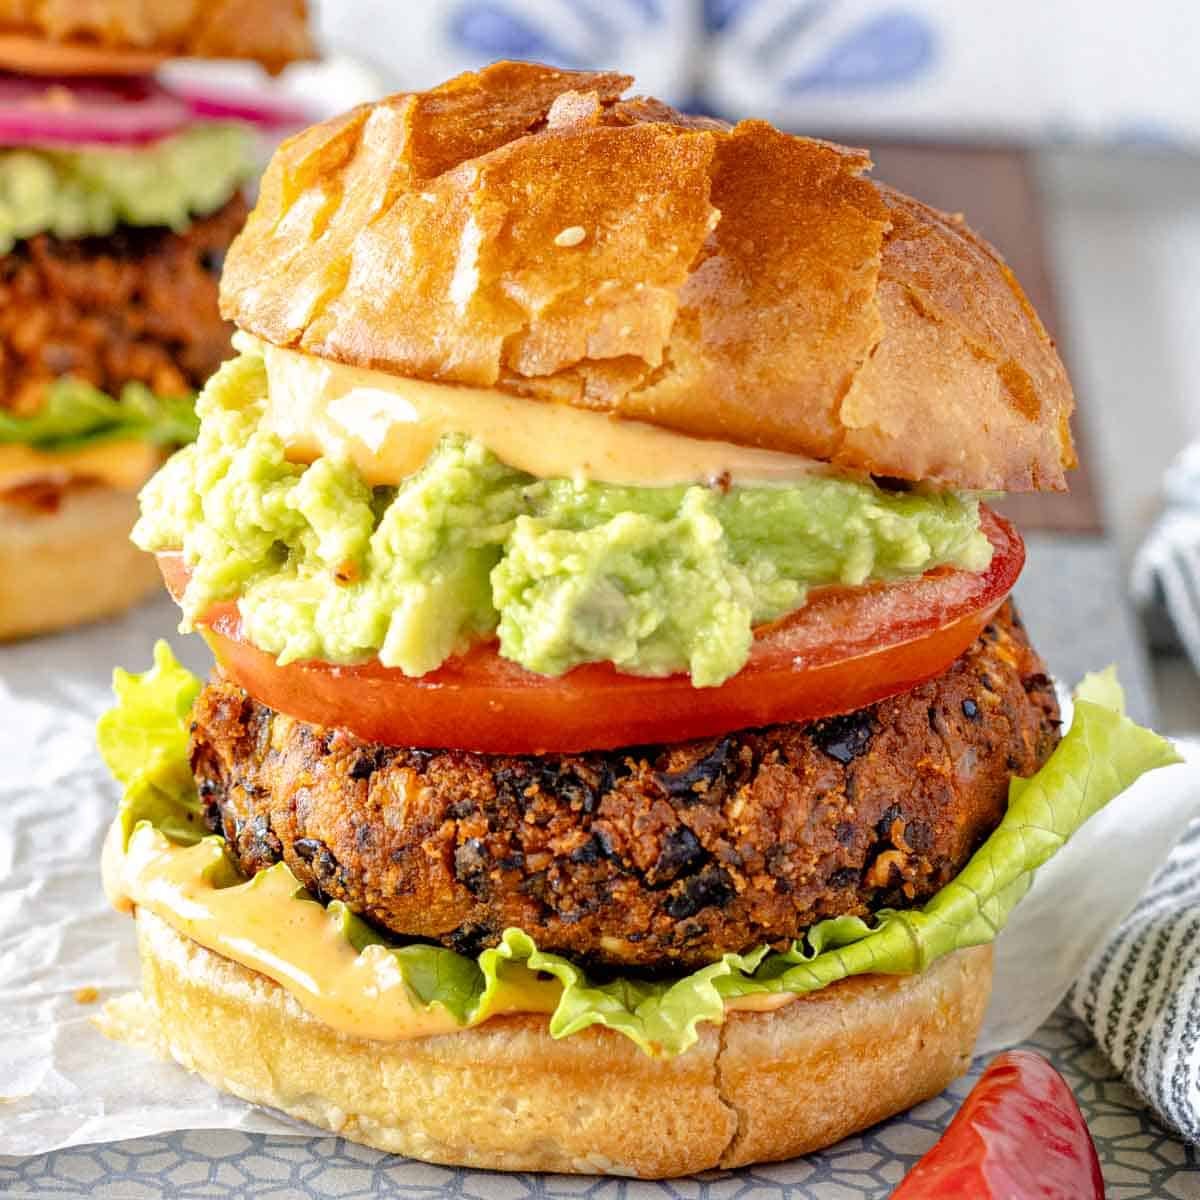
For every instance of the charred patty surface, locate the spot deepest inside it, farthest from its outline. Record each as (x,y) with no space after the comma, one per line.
(140,304)
(661,856)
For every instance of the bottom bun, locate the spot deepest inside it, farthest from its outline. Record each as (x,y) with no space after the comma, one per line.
(73,565)
(507,1096)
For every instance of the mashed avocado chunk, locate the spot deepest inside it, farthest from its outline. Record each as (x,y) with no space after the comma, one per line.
(654,580)
(89,192)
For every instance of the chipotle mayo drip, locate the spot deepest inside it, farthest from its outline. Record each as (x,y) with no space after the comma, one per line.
(124,464)
(269,925)
(266,924)
(387,426)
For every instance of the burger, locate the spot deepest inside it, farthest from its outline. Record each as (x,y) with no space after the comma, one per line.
(119,197)
(622,748)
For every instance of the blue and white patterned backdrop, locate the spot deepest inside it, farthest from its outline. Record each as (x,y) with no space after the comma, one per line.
(1093,70)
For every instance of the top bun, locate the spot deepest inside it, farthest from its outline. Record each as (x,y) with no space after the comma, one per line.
(92,35)
(527,229)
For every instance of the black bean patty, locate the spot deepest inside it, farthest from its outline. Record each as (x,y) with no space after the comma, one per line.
(658,857)
(139,304)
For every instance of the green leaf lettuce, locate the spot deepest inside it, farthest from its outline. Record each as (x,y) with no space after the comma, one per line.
(75,415)
(144,742)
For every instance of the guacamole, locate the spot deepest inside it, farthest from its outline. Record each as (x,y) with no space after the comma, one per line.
(654,580)
(81,193)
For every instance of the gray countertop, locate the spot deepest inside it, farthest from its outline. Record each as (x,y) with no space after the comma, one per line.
(1070,596)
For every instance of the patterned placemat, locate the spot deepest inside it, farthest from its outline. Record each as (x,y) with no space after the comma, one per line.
(1141,1161)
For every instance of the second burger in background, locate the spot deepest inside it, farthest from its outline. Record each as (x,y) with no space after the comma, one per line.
(118,200)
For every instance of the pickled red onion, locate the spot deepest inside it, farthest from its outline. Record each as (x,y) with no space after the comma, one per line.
(61,112)
(49,112)
(246,107)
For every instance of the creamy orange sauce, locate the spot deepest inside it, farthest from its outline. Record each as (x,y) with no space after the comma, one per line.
(263,925)
(761,1002)
(35,55)
(388,426)
(267,925)
(125,464)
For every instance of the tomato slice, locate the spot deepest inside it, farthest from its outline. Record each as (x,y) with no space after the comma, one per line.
(846,648)
(1018,1134)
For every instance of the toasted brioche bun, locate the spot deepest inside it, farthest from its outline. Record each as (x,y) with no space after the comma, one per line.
(74,565)
(507,1096)
(524,228)
(100,37)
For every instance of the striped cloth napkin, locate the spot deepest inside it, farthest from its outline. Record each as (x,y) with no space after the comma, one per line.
(1140,992)
(1166,572)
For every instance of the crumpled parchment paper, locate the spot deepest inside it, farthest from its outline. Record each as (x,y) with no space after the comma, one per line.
(62,1083)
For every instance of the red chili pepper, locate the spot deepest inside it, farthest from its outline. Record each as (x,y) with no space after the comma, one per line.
(1018,1136)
